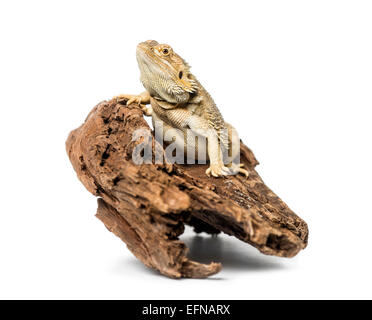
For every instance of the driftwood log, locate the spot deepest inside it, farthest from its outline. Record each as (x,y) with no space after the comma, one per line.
(148,205)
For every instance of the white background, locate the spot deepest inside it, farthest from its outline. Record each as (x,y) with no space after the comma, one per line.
(295,79)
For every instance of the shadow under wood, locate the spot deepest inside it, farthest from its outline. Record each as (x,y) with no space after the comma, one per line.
(234,255)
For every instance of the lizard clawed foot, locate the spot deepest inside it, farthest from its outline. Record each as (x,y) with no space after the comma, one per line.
(130,98)
(137,99)
(237,168)
(147,110)
(217,170)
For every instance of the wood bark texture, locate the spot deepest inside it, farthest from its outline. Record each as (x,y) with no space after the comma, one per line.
(148,205)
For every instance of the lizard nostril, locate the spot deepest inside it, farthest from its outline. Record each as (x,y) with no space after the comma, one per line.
(180,74)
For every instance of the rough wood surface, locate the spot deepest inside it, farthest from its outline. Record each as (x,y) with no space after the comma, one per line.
(147,206)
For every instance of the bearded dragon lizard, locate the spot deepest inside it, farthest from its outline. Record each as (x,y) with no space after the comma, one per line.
(183,103)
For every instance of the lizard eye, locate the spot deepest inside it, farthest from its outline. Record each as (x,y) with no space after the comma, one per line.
(165,51)
(180,75)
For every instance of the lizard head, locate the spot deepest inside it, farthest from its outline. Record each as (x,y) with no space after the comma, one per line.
(164,73)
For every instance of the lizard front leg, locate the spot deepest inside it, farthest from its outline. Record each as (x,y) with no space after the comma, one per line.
(184,119)
(217,167)
(234,147)
(142,100)
(201,127)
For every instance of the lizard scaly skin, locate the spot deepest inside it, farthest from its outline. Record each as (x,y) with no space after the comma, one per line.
(183,103)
